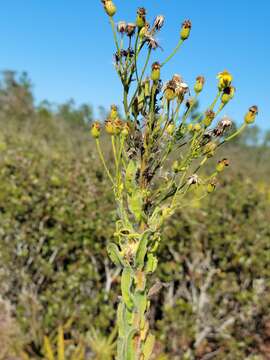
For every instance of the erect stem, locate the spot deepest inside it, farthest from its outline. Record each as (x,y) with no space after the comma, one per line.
(114,34)
(173,53)
(103,161)
(140,79)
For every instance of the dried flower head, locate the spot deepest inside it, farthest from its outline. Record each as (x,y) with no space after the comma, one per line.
(185,30)
(130,29)
(159,22)
(209,117)
(121,27)
(224,124)
(251,114)
(169,90)
(151,41)
(193,179)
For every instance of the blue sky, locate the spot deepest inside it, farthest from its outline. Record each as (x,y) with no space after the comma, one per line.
(66,47)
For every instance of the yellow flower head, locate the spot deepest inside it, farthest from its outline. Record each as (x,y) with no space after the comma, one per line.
(225,79)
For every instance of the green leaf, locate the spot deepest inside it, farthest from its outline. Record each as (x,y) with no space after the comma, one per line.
(151,263)
(135,202)
(126,283)
(114,254)
(142,250)
(148,346)
(130,176)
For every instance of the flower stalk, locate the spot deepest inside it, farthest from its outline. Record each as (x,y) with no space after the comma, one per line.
(153,134)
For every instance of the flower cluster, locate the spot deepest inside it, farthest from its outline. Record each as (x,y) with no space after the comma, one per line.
(159,150)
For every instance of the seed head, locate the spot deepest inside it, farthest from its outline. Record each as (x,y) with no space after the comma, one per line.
(185,30)
(251,114)
(223,125)
(159,22)
(193,179)
(151,41)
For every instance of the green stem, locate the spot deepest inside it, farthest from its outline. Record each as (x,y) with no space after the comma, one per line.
(173,53)
(114,34)
(140,79)
(103,161)
(236,133)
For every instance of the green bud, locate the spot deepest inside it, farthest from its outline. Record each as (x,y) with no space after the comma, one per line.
(199,84)
(109,7)
(155,75)
(140,20)
(221,165)
(251,114)
(95,130)
(185,30)
(209,117)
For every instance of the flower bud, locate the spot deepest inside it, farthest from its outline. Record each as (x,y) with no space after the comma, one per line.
(199,84)
(140,20)
(95,130)
(228,94)
(209,117)
(125,130)
(109,7)
(144,30)
(251,114)
(197,127)
(225,79)
(221,165)
(118,126)
(190,127)
(170,129)
(121,27)
(109,127)
(169,90)
(130,29)
(185,30)
(211,186)
(159,22)
(114,112)
(209,149)
(155,75)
